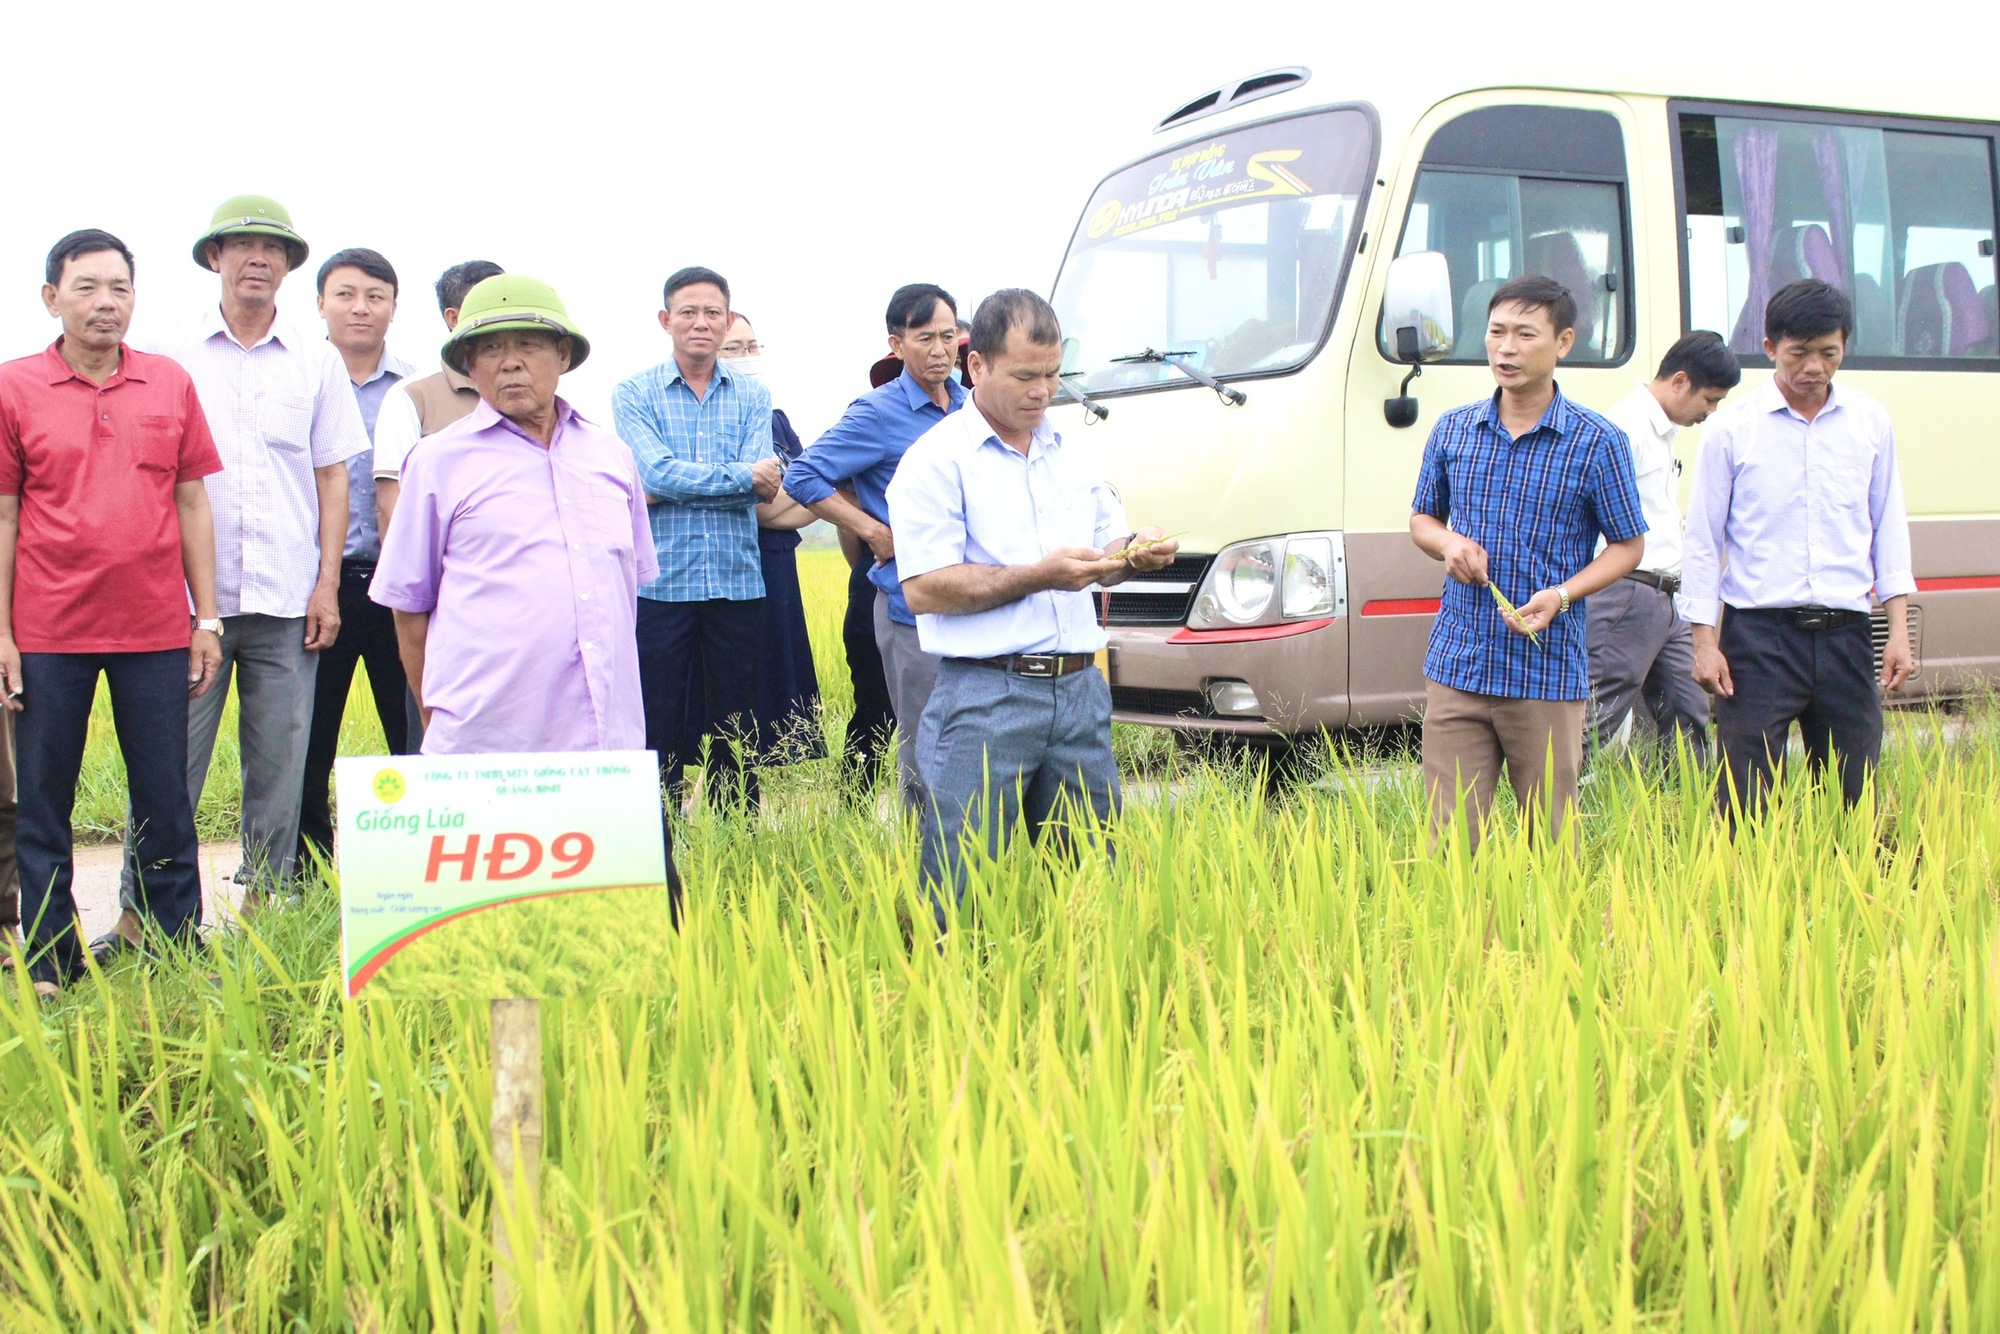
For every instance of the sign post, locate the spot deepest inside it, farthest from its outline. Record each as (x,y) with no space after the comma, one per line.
(513,879)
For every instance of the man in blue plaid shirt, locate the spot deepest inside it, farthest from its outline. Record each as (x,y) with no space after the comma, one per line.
(702,438)
(1515,491)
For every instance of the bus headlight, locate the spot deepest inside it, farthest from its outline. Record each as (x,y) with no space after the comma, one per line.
(1240,584)
(1269,580)
(1308,577)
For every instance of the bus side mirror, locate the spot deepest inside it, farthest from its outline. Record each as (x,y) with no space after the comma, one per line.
(1416,307)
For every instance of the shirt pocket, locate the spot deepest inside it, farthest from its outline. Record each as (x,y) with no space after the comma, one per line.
(156,444)
(284,420)
(1845,481)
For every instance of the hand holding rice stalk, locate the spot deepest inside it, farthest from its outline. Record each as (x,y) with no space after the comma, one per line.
(1140,548)
(1512,613)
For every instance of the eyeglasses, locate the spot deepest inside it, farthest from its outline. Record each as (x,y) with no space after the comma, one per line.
(753,348)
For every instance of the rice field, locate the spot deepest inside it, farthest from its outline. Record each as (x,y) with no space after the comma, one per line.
(1277,1067)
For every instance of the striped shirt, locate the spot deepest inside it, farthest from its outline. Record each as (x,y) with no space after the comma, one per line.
(278,410)
(1537,505)
(694,457)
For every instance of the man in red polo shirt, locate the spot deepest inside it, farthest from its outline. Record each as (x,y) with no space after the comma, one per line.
(105,536)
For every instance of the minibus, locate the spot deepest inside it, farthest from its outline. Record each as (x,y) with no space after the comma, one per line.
(1265,311)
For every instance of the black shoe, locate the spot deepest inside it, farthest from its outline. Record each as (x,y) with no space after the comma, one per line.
(123,938)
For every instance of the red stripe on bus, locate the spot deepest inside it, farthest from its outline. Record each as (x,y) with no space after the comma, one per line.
(1402,607)
(1957,582)
(1248,633)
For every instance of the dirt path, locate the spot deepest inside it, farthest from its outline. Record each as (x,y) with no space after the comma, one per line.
(96,883)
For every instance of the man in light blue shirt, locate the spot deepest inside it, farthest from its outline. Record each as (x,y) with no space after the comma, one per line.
(1000,530)
(701,435)
(1795,521)
(863,450)
(357,299)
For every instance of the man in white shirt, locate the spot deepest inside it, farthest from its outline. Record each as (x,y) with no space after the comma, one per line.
(1795,520)
(1640,648)
(282,410)
(1000,528)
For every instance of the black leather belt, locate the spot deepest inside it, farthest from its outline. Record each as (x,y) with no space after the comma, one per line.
(1036,664)
(1669,584)
(1807,618)
(362,565)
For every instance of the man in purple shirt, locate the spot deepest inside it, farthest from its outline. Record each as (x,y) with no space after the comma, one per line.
(521,541)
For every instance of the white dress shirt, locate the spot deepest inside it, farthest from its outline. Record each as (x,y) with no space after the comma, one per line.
(278,410)
(1645,423)
(963,497)
(398,427)
(1790,513)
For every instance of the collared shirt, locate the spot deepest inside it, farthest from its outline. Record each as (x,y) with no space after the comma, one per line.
(97,564)
(962,496)
(863,448)
(403,419)
(694,456)
(1537,504)
(278,410)
(364,540)
(1651,433)
(528,559)
(1787,512)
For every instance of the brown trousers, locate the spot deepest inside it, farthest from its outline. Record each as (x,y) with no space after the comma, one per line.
(1468,737)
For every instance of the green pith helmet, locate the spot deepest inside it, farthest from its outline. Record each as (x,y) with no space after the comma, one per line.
(511,301)
(254,215)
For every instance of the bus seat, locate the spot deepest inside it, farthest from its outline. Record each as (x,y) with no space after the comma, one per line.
(1557,255)
(1874,317)
(1942,314)
(1804,252)
(1469,339)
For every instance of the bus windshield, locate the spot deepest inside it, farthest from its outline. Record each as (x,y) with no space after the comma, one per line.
(1226,252)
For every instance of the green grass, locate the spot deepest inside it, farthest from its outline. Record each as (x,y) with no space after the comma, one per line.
(1279,1067)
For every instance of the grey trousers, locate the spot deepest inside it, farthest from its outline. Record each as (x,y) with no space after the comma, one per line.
(996,748)
(911,674)
(1641,651)
(274,675)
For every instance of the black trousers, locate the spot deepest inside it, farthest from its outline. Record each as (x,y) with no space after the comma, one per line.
(727,637)
(367,635)
(1822,679)
(874,720)
(149,704)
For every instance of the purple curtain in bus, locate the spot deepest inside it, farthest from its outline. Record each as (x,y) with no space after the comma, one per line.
(1757,179)
(1832,163)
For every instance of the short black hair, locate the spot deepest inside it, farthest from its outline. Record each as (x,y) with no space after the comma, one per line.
(688,277)
(1704,358)
(368,261)
(914,303)
(86,242)
(1537,292)
(456,281)
(1808,309)
(1013,308)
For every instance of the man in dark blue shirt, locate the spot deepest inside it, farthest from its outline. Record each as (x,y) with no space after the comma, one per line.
(1514,492)
(862,451)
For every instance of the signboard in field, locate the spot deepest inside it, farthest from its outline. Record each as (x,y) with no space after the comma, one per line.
(533,876)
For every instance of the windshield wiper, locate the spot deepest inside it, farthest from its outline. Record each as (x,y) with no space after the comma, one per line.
(1097,411)
(1227,393)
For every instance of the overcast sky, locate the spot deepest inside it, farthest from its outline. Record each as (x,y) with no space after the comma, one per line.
(816,158)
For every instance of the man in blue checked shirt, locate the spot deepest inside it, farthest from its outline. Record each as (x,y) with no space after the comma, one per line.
(1515,491)
(702,437)
(863,449)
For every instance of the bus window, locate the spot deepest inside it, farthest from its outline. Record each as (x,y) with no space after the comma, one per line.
(1481,201)
(1229,251)
(1902,221)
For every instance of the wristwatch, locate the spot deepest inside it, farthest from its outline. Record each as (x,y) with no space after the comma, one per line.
(1562,599)
(213,627)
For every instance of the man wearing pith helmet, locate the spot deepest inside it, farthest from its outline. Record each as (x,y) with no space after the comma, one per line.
(518,549)
(282,411)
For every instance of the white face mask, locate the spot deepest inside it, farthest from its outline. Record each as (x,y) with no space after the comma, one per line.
(750,366)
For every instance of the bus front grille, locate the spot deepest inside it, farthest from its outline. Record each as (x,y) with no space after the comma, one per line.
(1155,597)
